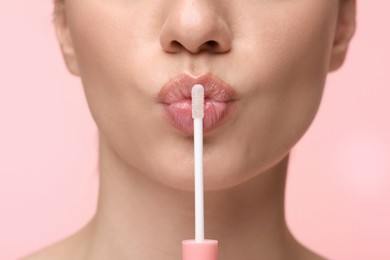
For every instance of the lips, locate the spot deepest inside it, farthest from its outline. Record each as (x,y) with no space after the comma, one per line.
(175,96)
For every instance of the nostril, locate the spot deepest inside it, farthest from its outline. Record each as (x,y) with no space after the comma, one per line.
(176,45)
(211,44)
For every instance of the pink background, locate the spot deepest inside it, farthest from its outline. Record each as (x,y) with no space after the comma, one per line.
(338,194)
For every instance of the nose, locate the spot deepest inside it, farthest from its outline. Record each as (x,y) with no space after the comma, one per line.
(195,26)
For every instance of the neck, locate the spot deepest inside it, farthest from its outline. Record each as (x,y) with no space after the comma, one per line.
(138,218)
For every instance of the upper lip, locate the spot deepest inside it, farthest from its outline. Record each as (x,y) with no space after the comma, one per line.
(179,89)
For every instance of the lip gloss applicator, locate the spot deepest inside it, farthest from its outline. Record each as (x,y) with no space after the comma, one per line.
(199,248)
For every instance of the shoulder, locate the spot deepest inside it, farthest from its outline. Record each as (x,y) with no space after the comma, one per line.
(69,248)
(55,251)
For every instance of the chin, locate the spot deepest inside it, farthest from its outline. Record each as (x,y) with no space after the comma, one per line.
(216,177)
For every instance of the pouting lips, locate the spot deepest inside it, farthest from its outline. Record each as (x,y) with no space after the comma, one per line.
(176,98)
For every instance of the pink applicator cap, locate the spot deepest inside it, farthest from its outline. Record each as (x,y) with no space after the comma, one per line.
(204,250)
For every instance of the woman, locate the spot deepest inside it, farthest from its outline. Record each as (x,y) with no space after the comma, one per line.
(263,65)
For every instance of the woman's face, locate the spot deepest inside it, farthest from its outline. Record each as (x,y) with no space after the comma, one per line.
(274,54)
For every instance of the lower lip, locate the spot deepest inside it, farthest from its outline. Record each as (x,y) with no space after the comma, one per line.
(180,115)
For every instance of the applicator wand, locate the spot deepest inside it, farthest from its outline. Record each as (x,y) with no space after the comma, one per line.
(200,248)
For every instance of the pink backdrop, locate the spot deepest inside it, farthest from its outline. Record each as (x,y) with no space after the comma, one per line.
(338,195)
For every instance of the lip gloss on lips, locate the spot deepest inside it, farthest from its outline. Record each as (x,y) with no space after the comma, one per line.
(176,98)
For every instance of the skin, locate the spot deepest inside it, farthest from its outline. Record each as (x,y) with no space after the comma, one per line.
(275,54)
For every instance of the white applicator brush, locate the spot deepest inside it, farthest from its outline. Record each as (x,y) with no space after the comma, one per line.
(200,248)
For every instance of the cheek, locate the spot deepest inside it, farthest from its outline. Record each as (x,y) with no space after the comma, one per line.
(292,40)
(105,40)
(284,64)
(117,92)
(110,49)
